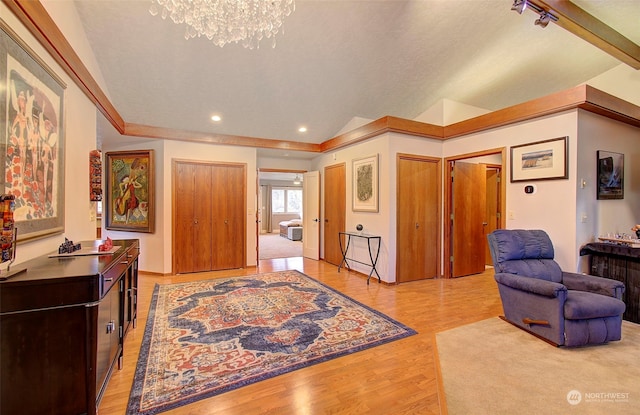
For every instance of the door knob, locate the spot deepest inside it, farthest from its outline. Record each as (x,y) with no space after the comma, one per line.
(316,220)
(226,221)
(417,225)
(326,220)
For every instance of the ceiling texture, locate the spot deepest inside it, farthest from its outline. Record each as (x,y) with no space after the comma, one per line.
(337,60)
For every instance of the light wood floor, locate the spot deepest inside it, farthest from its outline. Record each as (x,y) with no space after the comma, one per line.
(395,378)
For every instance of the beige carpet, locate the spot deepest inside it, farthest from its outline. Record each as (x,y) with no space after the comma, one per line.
(492,367)
(272,245)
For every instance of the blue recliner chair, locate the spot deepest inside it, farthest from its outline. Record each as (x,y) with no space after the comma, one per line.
(561,307)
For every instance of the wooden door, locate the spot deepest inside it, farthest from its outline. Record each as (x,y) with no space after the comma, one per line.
(311,215)
(228,207)
(493,207)
(334,211)
(209,219)
(469,207)
(192,230)
(418,218)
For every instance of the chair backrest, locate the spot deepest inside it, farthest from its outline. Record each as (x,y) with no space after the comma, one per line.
(524,252)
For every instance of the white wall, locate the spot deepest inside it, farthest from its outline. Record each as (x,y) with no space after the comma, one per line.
(80,139)
(156,253)
(152,252)
(552,207)
(383,222)
(606,216)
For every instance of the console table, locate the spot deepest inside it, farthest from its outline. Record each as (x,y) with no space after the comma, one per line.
(62,325)
(344,248)
(621,263)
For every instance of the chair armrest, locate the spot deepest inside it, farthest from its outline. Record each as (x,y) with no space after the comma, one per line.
(529,284)
(593,284)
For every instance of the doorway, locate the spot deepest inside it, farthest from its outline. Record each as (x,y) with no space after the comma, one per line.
(280,211)
(473,186)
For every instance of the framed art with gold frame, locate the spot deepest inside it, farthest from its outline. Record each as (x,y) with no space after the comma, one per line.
(129,191)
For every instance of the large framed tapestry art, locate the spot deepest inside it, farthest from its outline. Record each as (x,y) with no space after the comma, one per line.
(32,142)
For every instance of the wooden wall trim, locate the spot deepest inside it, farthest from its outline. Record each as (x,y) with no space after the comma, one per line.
(577,21)
(140,130)
(36,19)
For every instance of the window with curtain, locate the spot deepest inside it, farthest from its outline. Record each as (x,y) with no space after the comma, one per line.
(285,200)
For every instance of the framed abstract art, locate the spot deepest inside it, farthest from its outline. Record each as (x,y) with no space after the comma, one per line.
(365,184)
(610,175)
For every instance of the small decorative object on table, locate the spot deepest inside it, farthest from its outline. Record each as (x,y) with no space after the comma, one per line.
(106,246)
(623,239)
(68,247)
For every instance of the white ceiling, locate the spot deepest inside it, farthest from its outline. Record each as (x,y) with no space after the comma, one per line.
(338,60)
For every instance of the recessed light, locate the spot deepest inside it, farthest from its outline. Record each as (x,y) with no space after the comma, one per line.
(302,129)
(216,118)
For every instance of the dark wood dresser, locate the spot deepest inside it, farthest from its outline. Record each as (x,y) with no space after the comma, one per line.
(62,327)
(619,263)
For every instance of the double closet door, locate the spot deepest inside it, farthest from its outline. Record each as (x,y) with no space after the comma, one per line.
(209,205)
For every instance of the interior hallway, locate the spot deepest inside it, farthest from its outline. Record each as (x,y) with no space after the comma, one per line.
(398,377)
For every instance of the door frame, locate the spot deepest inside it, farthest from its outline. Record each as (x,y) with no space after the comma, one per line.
(448,195)
(259,213)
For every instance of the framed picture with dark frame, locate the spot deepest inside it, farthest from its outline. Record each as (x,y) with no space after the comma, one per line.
(365,184)
(129,191)
(610,175)
(540,160)
(33,136)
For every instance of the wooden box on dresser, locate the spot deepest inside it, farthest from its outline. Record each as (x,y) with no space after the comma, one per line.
(62,327)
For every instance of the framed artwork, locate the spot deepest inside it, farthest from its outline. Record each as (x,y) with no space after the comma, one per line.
(95,176)
(541,160)
(365,184)
(32,142)
(130,203)
(610,175)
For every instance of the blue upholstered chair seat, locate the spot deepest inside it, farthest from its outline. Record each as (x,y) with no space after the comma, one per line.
(582,305)
(562,307)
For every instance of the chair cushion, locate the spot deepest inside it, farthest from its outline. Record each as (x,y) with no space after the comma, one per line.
(543,269)
(584,305)
(524,252)
(522,244)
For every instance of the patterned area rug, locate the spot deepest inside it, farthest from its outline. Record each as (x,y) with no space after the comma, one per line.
(208,337)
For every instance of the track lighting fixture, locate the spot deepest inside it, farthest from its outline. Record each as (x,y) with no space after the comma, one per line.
(545,16)
(544,19)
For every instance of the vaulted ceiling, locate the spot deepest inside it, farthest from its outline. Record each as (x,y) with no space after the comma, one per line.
(337,60)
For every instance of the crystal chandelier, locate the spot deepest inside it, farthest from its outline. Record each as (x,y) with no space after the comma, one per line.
(226,21)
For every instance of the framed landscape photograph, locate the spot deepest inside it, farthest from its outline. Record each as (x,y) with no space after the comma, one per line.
(32,143)
(610,175)
(541,160)
(365,184)
(129,191)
